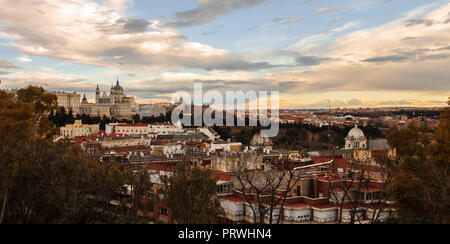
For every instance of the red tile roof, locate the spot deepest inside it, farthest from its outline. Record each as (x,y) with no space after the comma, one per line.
(234,199)
(221,175)
(297,205)
(324,206)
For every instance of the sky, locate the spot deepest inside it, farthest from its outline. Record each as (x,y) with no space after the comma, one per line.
(354,53)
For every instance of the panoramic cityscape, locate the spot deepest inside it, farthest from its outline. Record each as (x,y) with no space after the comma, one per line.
(224,112)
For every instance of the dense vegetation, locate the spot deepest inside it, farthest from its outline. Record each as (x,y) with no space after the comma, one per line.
(190,194)
(46,182)
(61,117)
(420,184)
(300,136)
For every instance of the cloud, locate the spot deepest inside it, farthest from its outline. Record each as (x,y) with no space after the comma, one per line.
(50,81)
(330,9)
(413,54)
(313,43)
(24,59)
(84,32)
(378,59)
(309,60)
(124,25)
(5,64)
(116,3)
(383,59)
(419,21)
(363,103)
(287,20)
(207,11)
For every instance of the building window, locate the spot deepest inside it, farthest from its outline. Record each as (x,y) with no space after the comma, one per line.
(163,212)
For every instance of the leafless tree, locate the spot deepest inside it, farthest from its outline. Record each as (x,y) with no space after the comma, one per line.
(265,183)
(351,185)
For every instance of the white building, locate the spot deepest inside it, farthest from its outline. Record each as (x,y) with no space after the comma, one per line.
(165,129)
(226,147)
(69,101)
(132,129)
(355,139)
(151,110)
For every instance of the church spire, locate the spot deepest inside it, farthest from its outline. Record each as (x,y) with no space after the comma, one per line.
(117,80)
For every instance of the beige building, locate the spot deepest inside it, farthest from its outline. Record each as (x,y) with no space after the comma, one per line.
(116,104)
(79,129)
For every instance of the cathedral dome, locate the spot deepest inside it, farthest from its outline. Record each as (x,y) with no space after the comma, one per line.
(259,140)
(356,133)
(84,101)
(118,87)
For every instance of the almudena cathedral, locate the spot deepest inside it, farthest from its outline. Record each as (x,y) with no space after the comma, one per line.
(116,104)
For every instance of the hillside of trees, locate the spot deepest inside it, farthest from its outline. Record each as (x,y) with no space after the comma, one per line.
(301,136)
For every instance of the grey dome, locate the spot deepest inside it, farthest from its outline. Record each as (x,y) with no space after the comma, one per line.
(118,87)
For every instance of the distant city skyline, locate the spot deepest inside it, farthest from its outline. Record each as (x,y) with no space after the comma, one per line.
(356,53)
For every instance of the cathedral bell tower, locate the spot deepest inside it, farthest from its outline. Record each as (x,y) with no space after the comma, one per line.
(97,95)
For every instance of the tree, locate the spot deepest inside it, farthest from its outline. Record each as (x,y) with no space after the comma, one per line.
(139,185)
(265,189)
(190,194)
(347,189)
(421,184)
(46,182)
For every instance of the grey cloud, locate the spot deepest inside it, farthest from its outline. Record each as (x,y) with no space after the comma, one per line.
(141,49)
(153,87)
(288,85)
(406,55)
(136,25)
(384,59)
(59,84)
(436,56)
(5,64)
(430,76)
(235,64)
(310,60)
(129,56)
(419,21)
(213,30)
(288,19)
(208,10)
(330,9)
(124,26)
(409,38)
(444,48)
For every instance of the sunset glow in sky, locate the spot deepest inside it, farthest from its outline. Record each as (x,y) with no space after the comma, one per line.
(357,53)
